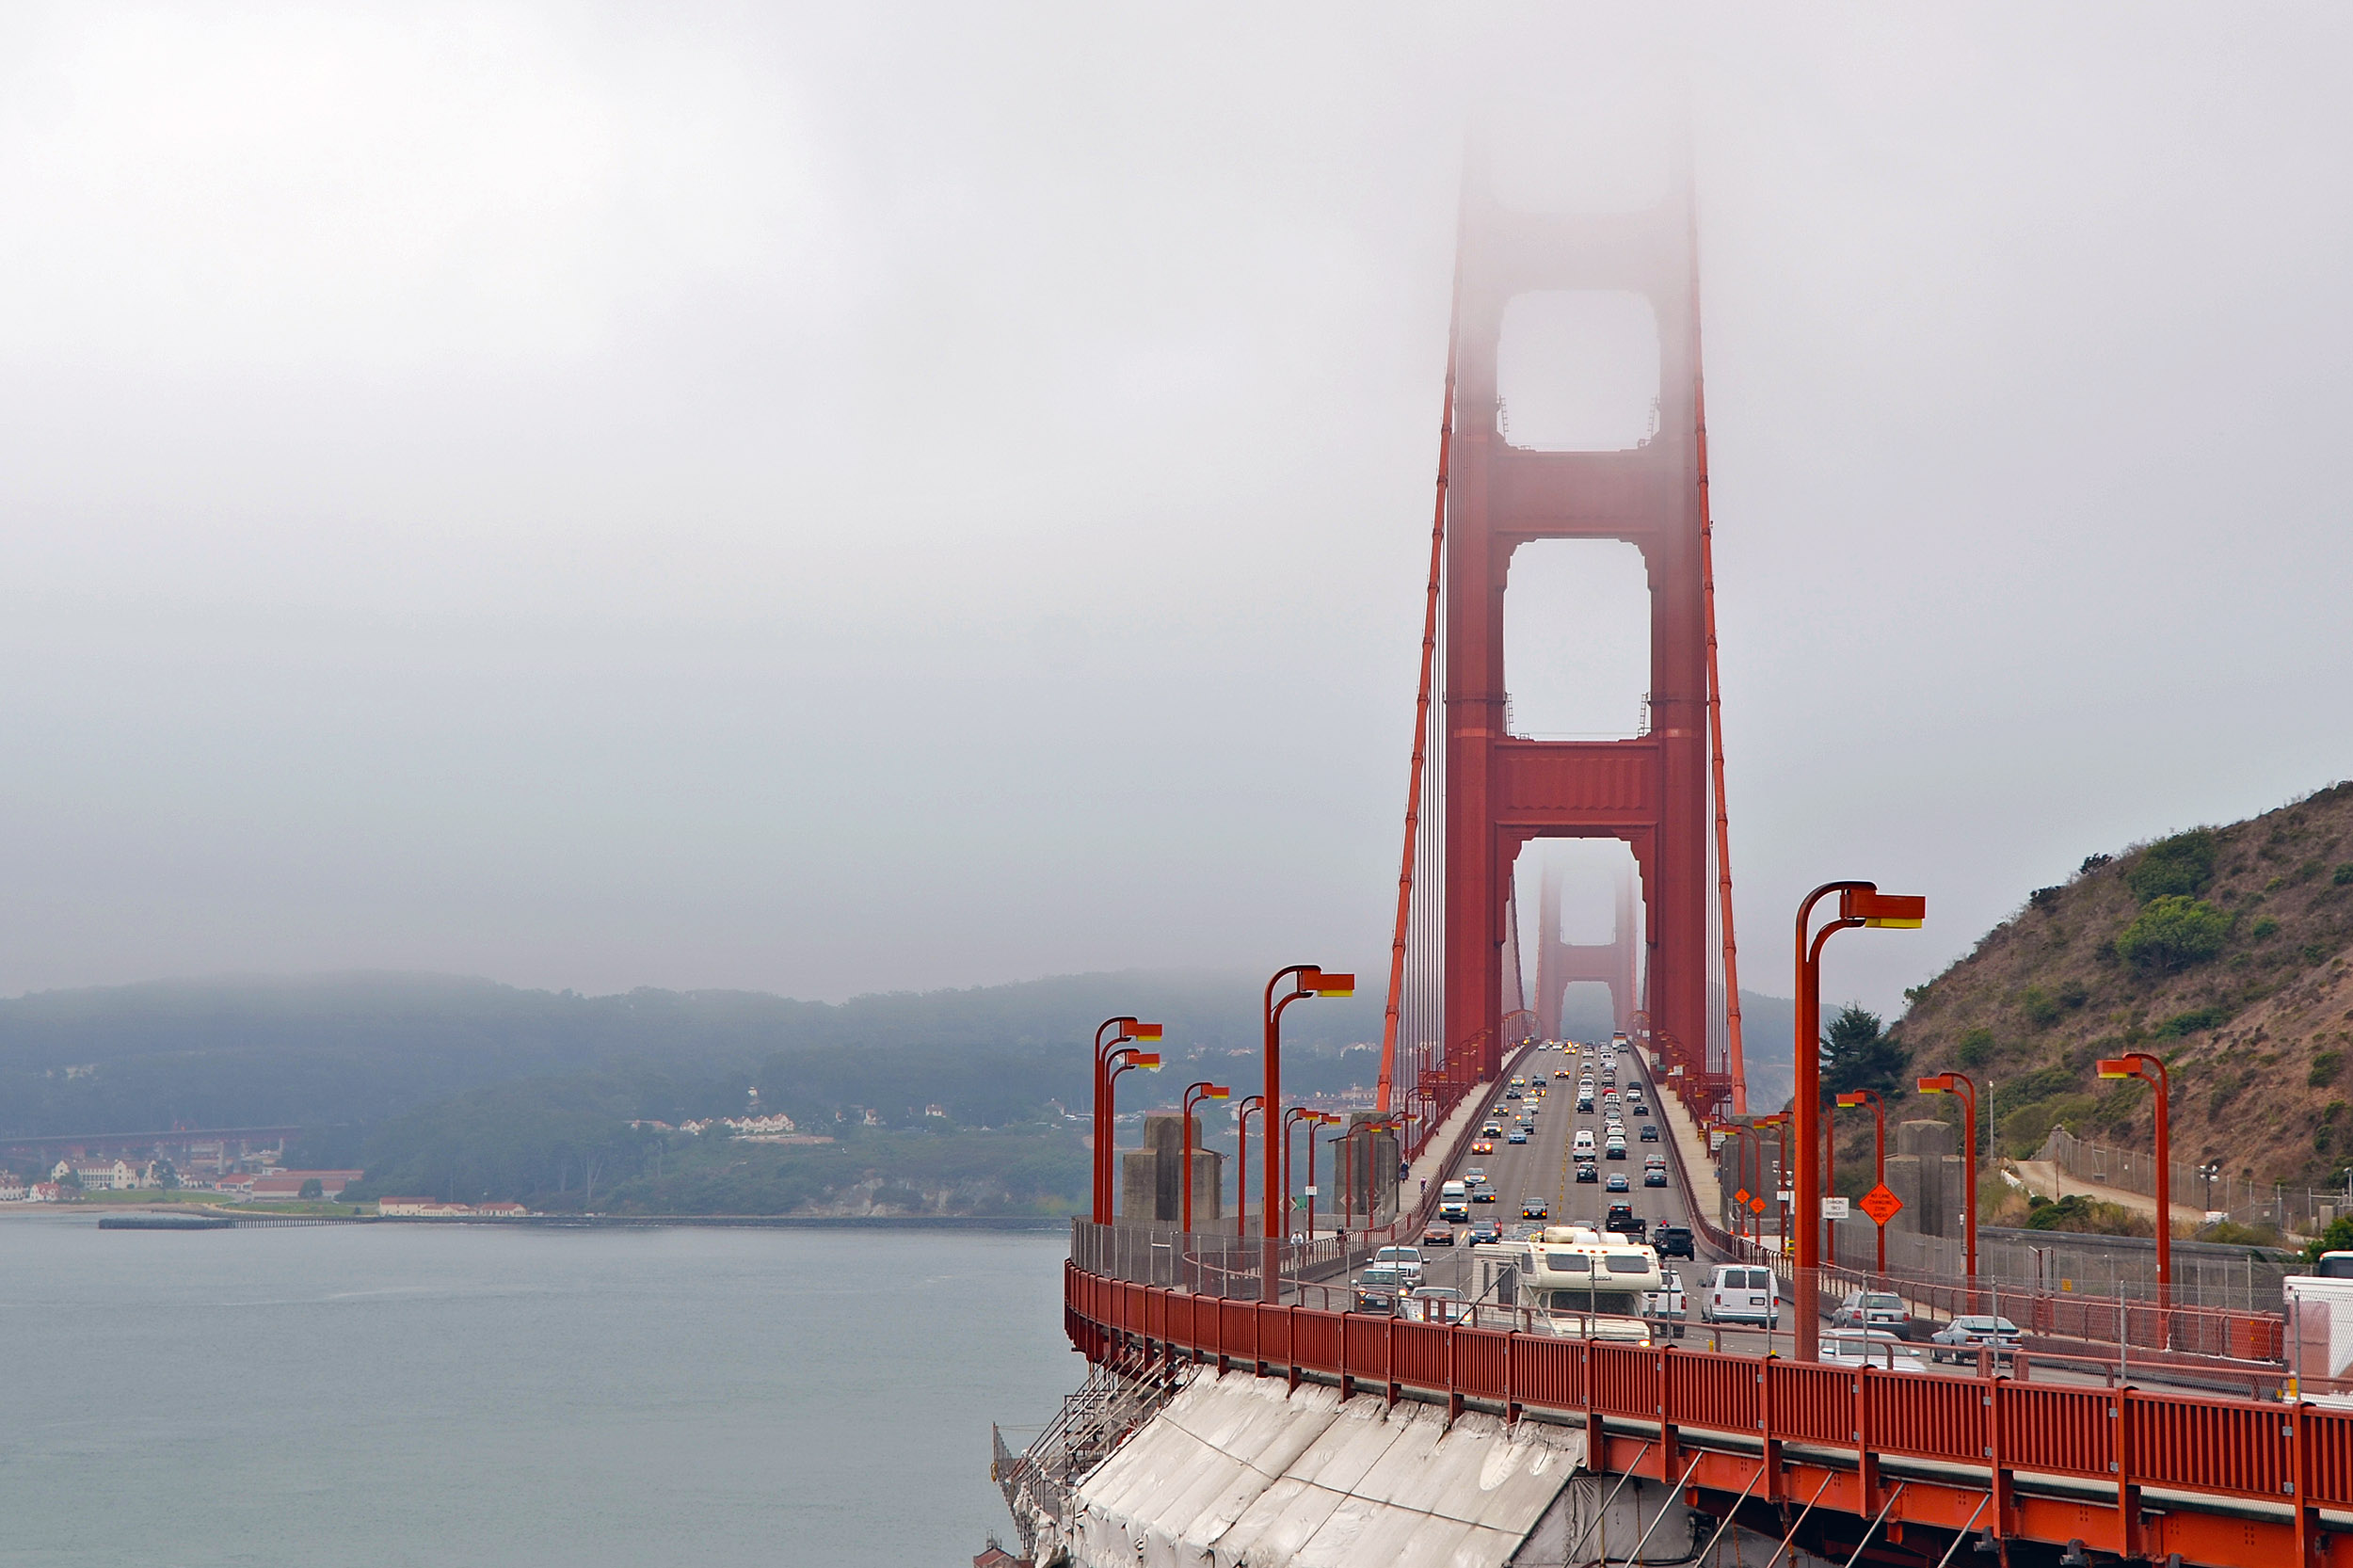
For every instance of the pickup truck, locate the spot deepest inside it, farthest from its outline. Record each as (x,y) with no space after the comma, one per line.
(1626,1222)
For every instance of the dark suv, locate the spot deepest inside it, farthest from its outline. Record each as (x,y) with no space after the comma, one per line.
(1673,1241)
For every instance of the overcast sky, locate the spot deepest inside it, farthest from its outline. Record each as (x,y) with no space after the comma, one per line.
(841,498)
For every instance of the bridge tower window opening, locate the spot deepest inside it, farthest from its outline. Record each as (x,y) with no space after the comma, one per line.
(1576,641)
(1583,935)
(1577,370)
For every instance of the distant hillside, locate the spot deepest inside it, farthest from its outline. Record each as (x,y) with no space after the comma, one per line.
(359,1047)
(2221,950)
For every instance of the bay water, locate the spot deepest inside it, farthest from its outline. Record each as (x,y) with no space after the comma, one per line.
(513,1398)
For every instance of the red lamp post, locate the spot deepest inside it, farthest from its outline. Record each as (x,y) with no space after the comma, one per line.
(1304,980)
(1958,1083)
(1743,1134)
(1123,1060)
(1779,1119)
(1879,1153)
(2139,1064)
(1109,1036)
(1242,1162)
(1195,1094)
(1859,904)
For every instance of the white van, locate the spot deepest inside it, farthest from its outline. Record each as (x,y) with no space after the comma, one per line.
(1740,1293)
(1454,1201)
(1585,1140)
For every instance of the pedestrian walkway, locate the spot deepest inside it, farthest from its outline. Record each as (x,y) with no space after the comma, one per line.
(2043,1178)
(1703,1193)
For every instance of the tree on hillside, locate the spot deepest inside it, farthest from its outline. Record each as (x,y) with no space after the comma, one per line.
(1857,1053)
(2173,933)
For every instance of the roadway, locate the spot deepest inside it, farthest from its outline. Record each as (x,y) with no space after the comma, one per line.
(1542,1169)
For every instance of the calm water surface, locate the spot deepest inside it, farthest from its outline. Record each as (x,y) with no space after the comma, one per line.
(407,1395)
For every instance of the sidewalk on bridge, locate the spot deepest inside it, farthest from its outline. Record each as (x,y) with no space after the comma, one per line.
(1701,1191)
(1430,1165)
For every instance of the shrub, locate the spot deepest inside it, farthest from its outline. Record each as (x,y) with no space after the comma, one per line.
(2073,993)
(2092,863)
(2176,866)
(2191,1021)
(2077,1212)
(2337,1237)
(2324,1073)
(1976,1049)
(2342,875)
(2172,932)
(2042,1008)
(2313,952)
(2265,929)
(2043,898)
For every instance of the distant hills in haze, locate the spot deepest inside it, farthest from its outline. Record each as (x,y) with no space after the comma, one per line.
(358,1048)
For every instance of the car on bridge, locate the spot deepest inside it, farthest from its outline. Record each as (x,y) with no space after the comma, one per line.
(1437,1236)
(1377,1291)
(1675,1242)
(1655,1176)
(1957,1339)
(1870,1309)
(1650,1132)
(1624,1222)
(1858,1348)
(1617,1183)
(1534,1209)
(1483,1145)
(1519,1135)
(1588,1171)
(1485,1230)
(1483,1193)
(1493,1130)
(1405,1260)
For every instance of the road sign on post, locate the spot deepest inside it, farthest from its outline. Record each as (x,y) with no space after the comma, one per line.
(1833,1208)
(1881,1204)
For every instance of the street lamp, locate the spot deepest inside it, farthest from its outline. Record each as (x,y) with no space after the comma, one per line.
(1859,904)
(1242,1162)
(2207,1172)
(1778,1119)
(1744,1217)
(1110,1035)
(1879,1153)
(1305,980)
(1292,1118)
(1959,1084)
(1121,1061)
(2139,1064)
(1195,1094)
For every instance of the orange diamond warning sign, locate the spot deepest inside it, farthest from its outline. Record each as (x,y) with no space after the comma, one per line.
(1757,1206)
(1741,1197)
(1881,1204)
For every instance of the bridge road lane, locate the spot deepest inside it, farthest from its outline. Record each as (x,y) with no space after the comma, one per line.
(1542,1168)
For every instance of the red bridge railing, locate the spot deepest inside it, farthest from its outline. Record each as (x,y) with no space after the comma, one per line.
(2032,1461)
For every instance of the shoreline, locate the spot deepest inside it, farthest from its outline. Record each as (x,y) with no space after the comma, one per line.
(567,1222)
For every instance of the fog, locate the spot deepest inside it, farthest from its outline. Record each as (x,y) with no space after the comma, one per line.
(829,499)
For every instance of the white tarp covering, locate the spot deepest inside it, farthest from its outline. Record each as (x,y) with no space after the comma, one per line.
(1234,1473)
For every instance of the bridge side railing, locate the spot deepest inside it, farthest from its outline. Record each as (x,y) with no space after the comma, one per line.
(1991,1426)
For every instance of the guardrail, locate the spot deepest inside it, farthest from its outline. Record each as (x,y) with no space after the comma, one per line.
(2218,1334)
(2005,1442)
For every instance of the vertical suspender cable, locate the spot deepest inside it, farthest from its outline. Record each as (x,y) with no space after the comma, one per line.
(1421,748)
(1733,1063)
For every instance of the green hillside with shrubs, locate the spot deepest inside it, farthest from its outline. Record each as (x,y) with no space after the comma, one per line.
(2221,950)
